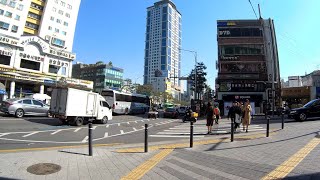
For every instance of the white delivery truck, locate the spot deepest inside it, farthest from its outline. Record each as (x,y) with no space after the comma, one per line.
(76,107)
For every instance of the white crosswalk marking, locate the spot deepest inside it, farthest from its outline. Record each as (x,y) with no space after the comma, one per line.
(30,134)
(106,134)
(118,124)
(85,139)
(94,127)
(128,122)
(56,131)
(121,131)
(107,126)
(3,134)
(134,129)
(76,130)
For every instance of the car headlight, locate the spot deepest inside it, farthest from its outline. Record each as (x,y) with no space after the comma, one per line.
(293,112)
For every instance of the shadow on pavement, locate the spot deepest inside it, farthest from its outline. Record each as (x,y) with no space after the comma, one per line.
(315,133)
(68,152)
(46,121)
(214,146)
(5,178)
(312,176)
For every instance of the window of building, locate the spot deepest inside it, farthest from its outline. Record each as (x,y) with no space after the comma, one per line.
(4,2)
(17,17)
(32,26)
(1,12)
(60,12)
(59,21)
(53,69)
(35,6)
(12,4)
(4,25)
(14,28)
(54,9)
(69,6)
(5,60)
(52,18)
(65,23)
(56,30)
(67,15)
(30,64)
(64,33)
(63,4)
(20,7)
(34,16)
(58,42)
(56,1)
(8,14)
(49,28)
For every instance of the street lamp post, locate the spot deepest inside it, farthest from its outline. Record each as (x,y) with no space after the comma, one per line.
(195,66)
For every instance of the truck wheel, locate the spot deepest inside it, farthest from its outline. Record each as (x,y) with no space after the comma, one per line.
(19,113)
(78,121)
(104,120)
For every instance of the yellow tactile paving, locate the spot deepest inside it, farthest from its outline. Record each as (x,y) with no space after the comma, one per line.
(286,167)
(141,170)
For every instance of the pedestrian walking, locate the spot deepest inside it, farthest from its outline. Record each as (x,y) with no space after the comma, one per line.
(217,113)
(247,116)
(210,117)
(235,115)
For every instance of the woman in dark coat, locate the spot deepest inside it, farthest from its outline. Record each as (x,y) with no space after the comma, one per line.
(210,114)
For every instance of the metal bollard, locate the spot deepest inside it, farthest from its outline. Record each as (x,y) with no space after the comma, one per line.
(232,129)
(146,138)
(268,124)
(90,137)
(282,118)
(191,133)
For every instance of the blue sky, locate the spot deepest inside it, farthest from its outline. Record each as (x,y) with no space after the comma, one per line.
(114,30)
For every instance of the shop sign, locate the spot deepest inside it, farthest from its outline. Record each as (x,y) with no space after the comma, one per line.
(62,53)
(44,45)
(5,52)
(49,81)
(57,63)
(6,76)
(31,57)
(7,70)
(7,40)
(85,82)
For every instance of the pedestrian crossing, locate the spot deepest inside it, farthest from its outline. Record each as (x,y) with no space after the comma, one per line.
(200,130)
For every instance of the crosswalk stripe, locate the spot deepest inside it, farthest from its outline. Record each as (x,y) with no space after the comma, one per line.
(106,134)
(175,133)
(94,127)
(76,130)
(56,131)
(128,122)
(168,136)
(118,124)
(107,126)
(30,134)
(134,129)
(121,131)
(3,134)
(85,139)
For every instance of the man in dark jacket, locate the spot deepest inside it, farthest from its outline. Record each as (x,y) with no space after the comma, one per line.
(235,113)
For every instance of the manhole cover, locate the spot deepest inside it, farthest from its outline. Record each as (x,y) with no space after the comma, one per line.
(242,139)
(43,168)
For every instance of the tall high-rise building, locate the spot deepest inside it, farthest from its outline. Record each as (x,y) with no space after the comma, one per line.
(36,39)
(162,48)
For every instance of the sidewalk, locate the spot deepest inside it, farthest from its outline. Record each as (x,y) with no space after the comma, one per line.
(249,157)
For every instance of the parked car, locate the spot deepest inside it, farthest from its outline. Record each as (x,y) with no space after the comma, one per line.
(311,109)
(182,110)
(25,106)
(171,113)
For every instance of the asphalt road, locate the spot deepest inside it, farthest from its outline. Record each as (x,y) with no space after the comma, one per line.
(37,132)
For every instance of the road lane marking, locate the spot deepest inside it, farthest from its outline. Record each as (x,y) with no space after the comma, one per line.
(94,127)
(145,167)
(30,134)
(136,121)
(121,131)
(56,131)
(118,124)
(107,126)
(286,167)
(134,129)
(148,120)
(106,134)
(128,122)
(3,134)
(85,139)
(76,130)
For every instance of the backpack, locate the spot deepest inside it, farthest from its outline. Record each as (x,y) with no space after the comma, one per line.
(217,111)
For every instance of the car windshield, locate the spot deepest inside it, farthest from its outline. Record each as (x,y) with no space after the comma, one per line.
(310,103)
(170,110)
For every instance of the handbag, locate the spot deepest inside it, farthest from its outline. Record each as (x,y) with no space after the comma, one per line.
(237,118)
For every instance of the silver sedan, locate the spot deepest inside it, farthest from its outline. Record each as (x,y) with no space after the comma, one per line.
(24,106)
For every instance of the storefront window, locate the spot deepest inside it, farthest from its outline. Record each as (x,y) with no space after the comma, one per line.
(53,69)
(30,64)
(5,60)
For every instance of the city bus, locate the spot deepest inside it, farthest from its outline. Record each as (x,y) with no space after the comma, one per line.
(126,103)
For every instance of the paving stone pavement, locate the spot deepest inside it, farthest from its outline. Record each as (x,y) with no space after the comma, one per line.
(250,159)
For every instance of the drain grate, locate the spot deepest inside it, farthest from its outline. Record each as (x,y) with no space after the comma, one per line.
(43,168)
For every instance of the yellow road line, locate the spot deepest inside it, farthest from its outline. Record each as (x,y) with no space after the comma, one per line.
(286,167)
(55,147)
(141,170)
